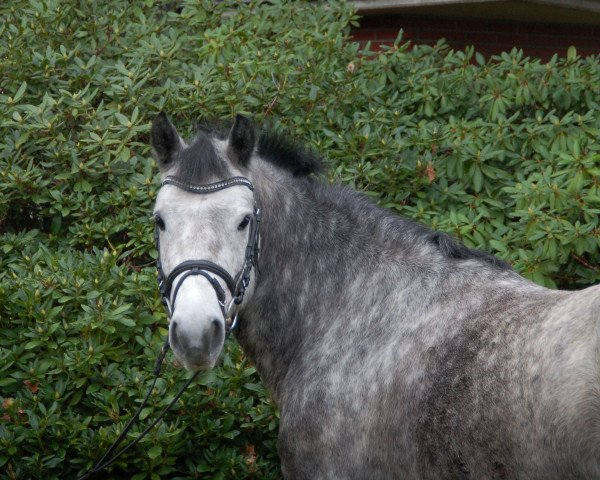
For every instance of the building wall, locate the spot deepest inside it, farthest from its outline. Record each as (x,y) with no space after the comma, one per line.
(490,37)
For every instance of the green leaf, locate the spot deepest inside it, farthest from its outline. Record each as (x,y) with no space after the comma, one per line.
(477,179)
(122,309)
(7,382)
(154,452)
(123,120)
(126,321)
(499,246)
(145,412)
(55,225)
(20,92)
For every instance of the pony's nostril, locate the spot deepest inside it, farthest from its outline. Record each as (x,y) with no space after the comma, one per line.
(174,335)
(216,327)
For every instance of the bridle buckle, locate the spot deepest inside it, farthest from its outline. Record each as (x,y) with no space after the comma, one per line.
(231,323)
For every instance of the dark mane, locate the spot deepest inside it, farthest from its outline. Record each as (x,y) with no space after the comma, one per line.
(451,248)
(278,150)
(405,230)
(273,147)
(199,162)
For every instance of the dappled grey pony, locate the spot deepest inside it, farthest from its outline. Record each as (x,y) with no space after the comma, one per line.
(392,351)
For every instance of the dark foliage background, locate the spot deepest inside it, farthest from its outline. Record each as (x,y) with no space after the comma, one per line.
(503,154)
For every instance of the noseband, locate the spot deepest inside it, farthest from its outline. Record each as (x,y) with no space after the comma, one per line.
(187,268)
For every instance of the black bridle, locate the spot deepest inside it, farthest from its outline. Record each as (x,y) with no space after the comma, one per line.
(187,268)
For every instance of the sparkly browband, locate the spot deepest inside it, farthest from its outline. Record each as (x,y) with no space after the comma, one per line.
(211,187)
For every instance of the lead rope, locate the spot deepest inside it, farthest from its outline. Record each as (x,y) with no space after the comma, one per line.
(103,462)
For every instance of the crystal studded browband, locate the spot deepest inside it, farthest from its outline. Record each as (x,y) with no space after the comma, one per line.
(210,187)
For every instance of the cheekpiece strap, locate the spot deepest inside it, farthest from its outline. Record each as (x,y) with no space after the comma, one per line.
(210,187)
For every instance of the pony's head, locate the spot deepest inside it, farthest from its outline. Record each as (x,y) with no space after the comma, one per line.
(207,233)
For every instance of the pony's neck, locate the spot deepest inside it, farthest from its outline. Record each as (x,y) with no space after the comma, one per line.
(317,243)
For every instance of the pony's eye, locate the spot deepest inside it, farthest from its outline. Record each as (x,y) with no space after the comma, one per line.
(244,223)
(160,223)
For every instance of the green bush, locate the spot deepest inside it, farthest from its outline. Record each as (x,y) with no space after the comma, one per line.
(501,153)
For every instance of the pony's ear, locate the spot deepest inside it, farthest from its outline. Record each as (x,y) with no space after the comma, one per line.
(241,140)
(165,140)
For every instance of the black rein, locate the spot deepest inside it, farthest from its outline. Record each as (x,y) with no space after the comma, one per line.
(237,288)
